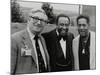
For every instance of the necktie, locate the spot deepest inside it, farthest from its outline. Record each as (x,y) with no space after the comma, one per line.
(40,58)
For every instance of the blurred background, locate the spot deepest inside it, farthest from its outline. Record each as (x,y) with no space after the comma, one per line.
(20,9)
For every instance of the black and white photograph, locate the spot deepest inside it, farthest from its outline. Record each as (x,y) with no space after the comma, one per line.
(52,37)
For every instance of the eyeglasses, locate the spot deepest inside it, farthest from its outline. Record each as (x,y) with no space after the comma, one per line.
(37,19)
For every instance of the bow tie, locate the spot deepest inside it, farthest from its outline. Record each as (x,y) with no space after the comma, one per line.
(61,37)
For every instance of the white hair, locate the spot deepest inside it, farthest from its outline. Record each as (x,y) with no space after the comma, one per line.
(35,10)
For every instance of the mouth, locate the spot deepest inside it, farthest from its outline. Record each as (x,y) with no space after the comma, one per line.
(82,32)
(63,31)
(38,25)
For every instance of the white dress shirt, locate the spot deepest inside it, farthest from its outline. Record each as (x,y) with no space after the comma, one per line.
(63,45)
(34,47)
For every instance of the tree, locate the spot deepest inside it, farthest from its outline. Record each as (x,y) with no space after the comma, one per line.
(16,14)
(49,12)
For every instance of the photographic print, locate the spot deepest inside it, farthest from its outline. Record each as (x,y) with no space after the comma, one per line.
(52,37)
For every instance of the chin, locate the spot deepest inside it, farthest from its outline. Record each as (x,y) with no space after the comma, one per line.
(36,31)
(83,35)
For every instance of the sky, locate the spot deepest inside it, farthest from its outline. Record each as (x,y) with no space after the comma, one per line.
(68,7)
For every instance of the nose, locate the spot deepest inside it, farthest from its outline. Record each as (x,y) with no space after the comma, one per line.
(64,27)
(81,27)
(38,22)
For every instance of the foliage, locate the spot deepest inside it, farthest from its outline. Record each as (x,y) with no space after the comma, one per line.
(16,14)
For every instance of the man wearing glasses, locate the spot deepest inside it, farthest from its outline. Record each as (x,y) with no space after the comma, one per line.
(28,49)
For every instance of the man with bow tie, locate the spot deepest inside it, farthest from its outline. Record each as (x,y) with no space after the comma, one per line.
(59,45)
(28,49)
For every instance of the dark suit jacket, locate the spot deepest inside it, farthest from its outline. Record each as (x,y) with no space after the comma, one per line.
(24,64)
(55,52)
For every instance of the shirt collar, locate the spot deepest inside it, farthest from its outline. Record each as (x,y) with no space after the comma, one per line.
(30,33)
(57,32)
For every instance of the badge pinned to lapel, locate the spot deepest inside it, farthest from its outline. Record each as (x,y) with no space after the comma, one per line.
(83,51)
(26,51)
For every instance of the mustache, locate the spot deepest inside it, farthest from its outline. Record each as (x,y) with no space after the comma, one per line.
(60,30)
(82,30)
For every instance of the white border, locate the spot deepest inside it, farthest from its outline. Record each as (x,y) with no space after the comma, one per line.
(5,36)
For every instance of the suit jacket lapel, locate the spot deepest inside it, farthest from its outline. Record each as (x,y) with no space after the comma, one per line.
(58,45)
(27,41)
(92,50)
(75,52)
(67,47)
(59,49)
(45,50)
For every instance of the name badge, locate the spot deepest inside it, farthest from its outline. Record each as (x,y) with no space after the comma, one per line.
(26,52)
